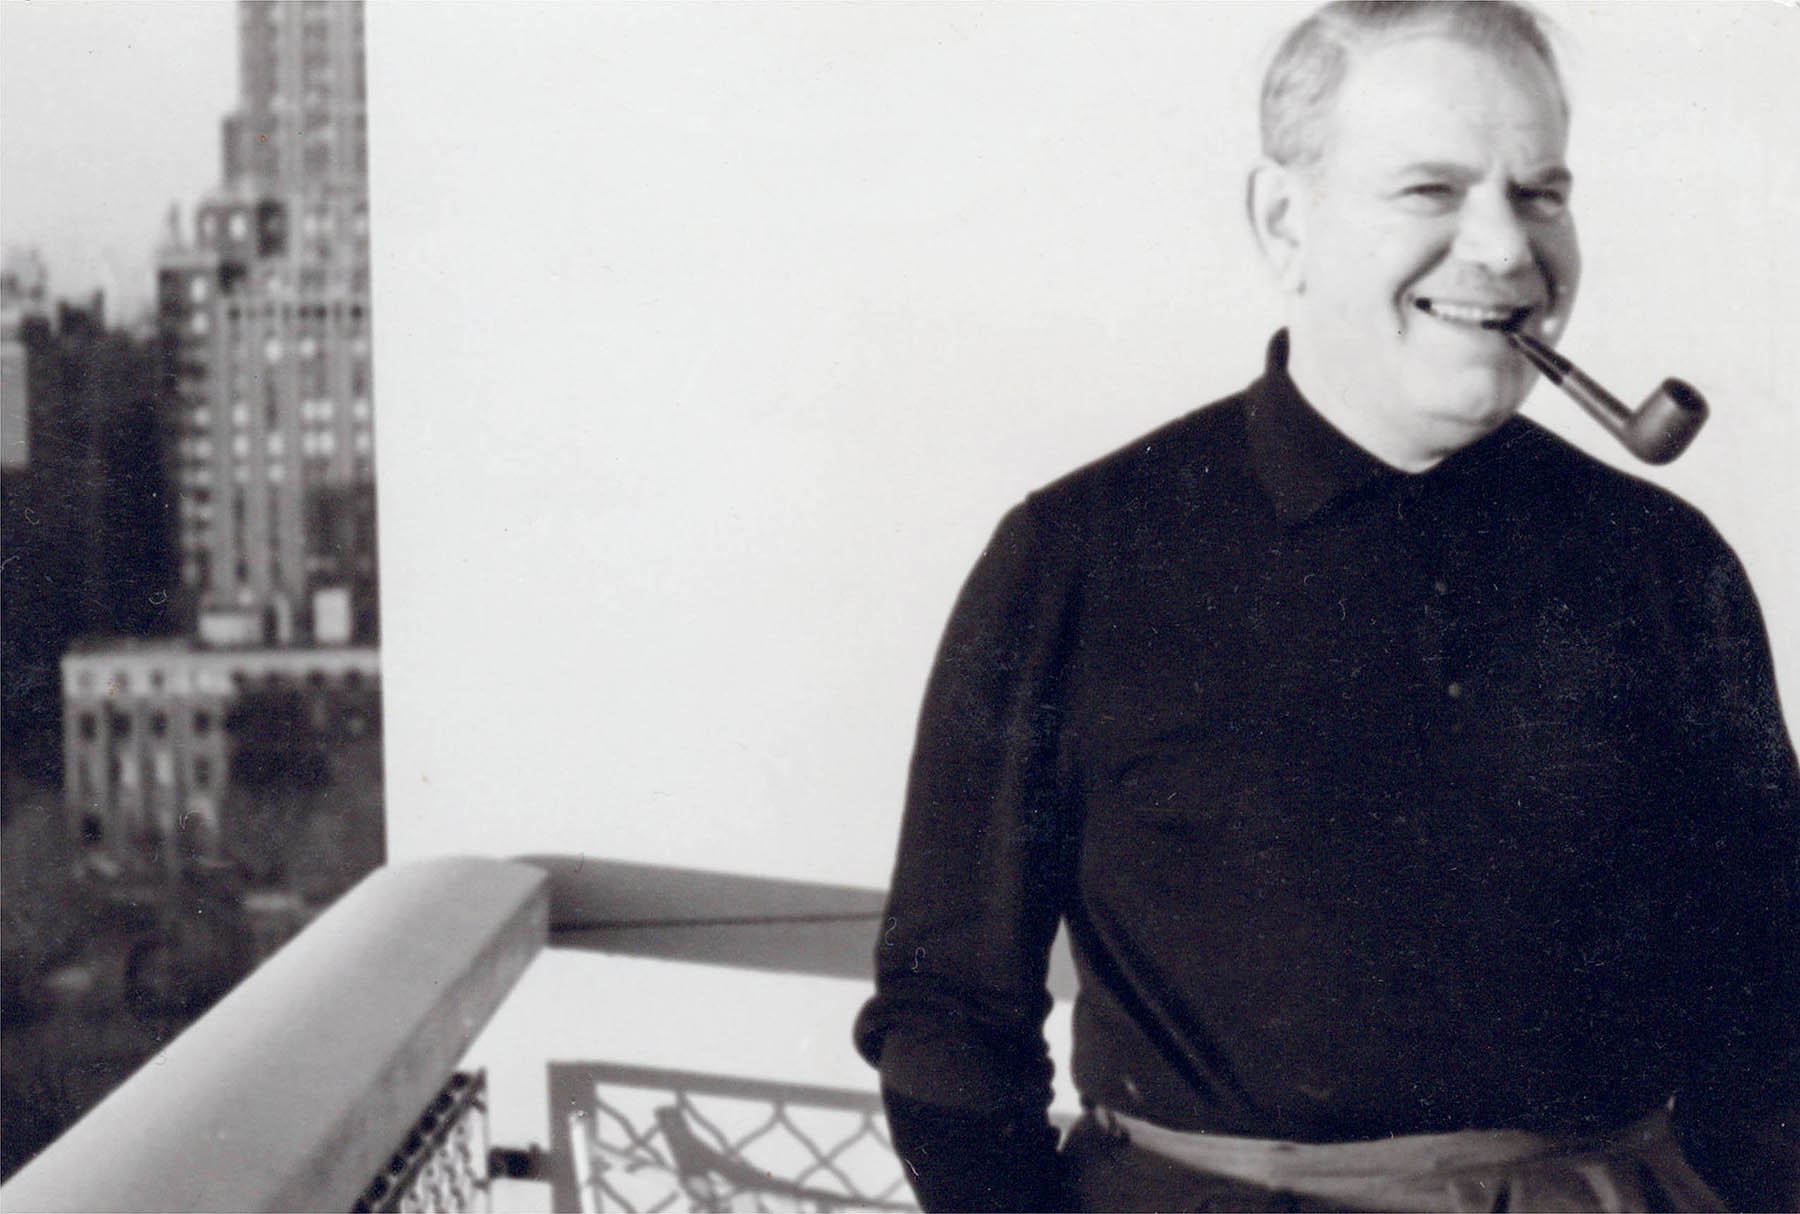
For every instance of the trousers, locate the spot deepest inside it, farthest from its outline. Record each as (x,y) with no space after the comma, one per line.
(1114,1162)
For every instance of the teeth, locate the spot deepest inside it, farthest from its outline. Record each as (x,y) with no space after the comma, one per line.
(1471,314)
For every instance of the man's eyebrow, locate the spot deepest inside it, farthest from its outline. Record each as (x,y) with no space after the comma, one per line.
(1449,169)
(1551,175)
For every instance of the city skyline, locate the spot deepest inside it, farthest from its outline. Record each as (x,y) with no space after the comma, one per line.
(111,116)
(193,679)
(264,398)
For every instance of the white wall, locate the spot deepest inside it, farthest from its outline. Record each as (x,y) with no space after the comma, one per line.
(713,340)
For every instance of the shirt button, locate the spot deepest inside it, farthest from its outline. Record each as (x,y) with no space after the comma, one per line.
(1441,586)
(1454,691)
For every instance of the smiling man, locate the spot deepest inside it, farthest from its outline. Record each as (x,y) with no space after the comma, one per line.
(1426,210)
(1412,787)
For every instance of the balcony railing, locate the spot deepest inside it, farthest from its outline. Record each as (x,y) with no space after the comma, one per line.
(443,1162)
(325,1080)
(294,1092)
(632,1138)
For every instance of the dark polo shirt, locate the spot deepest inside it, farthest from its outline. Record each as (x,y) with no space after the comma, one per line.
(1374,803)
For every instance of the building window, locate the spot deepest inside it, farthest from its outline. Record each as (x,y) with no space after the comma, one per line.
(159,724)
(93,831)
(121,726)
(203,772)
(89,727)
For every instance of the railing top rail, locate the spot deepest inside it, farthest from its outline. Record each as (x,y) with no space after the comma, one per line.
(291,1092)
(734,919)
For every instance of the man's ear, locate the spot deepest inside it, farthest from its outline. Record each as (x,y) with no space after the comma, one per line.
(1277,211)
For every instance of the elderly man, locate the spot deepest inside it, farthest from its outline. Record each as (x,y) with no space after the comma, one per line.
(1413,787)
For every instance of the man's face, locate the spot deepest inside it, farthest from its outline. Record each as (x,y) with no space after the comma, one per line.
(1439,208)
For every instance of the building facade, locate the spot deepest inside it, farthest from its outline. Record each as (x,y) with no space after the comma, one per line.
(148,745)
(265,334)
(86,517)
(24,296)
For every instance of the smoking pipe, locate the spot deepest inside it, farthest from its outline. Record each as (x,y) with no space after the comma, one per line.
(1660,429)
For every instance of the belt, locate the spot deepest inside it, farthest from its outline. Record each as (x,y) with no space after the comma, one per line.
(1407,1172)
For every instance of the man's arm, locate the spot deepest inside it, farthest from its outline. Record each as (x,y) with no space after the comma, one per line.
(956,1024)
(957,1160)
(1739,1119)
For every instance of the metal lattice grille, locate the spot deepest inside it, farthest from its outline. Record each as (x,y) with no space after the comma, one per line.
(659,1140)
(441,1165)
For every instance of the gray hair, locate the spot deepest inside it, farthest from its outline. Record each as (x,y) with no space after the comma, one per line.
(1309,67)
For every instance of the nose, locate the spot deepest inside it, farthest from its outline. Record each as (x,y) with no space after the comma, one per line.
(1491,234)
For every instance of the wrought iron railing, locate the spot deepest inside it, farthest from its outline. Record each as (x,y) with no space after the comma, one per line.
(441,1167)
(633,1139)
(216,1122)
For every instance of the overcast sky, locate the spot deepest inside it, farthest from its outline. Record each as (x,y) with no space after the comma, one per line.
(109,112)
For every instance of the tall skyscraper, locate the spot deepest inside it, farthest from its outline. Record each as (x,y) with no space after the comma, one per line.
(172,750)
(264,321)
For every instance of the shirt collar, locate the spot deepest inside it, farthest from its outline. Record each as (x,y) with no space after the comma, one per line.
(1304,463)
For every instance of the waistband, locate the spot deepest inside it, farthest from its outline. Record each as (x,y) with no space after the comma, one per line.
(1342,1169)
